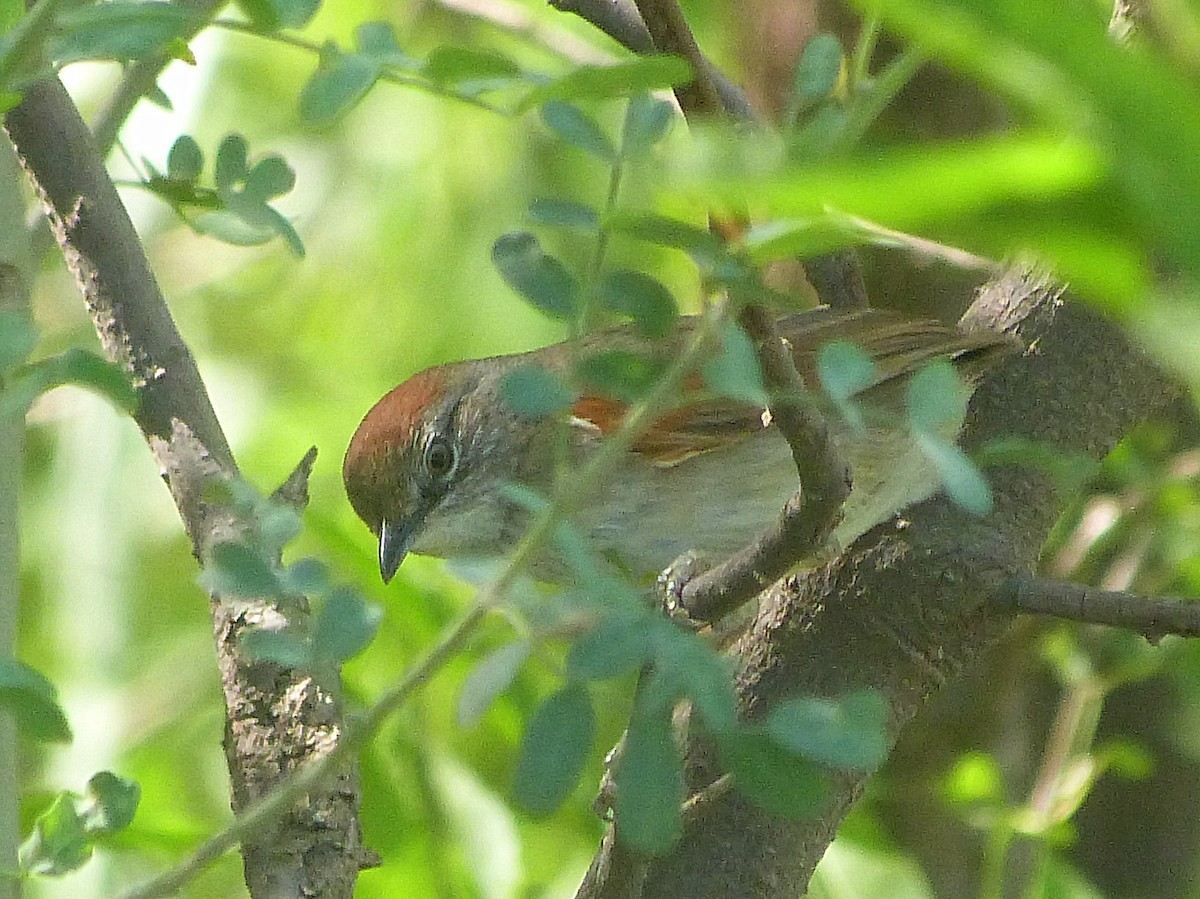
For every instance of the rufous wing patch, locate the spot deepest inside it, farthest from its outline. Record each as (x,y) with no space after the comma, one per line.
(678,434)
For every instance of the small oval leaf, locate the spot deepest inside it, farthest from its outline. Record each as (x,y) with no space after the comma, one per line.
(557,213)
(734,371)
(644,299)
(845,733)
(533,392)
(553,750)
(963,481)
(538,277)
(572,125)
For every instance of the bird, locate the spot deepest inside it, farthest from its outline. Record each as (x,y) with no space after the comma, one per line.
(428,466)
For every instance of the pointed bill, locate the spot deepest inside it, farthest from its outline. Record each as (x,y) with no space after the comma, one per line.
(394,543)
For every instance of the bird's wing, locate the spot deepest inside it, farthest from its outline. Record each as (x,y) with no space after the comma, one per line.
(703,422)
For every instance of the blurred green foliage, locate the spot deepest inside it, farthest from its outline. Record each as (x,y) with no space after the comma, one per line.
(412,168)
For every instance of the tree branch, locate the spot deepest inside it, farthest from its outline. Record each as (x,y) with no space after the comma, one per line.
(908,606)
(1152,617)
(277,717)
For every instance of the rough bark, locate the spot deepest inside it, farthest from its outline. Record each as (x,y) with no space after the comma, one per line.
(277,717)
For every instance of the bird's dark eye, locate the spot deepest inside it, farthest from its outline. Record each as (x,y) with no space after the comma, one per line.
(439,458)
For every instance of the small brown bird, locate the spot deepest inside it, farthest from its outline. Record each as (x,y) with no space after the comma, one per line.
(426,468)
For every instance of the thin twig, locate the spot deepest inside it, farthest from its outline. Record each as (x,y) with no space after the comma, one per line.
(1152,617)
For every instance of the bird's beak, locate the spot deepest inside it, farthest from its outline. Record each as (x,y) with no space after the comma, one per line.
(394,543)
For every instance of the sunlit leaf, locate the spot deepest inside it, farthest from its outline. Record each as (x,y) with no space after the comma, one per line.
(18,337)
(461,64)
(936,399)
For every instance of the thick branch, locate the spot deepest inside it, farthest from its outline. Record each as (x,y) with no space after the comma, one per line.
(907,607)
(277,717)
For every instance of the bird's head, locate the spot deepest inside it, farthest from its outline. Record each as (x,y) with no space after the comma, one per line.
(425,466)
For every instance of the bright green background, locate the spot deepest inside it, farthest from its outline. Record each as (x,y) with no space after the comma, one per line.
(398,206)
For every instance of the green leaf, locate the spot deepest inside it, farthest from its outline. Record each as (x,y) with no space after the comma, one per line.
(120,31)
(816,73)
(620,374)
(964,483)
(236,569)
(346,625)
(700,243)
(270,177)
(33,702)
(487,680)
(271,15)
(685,665)
(646,123)
(844,370)
(650,789)
(282,647)
(602,82)
(644,299)
(845,733)
(553,750)
(232,163)
(75,366)
(378,41)
(615,646)
(734,372)
(18,337)
(936,398)
(186,159)
(110,803)
(575,127)
(533,392)
(538,277)
(563,214)
(58,844)
(456,65)
(339,83)
(304,577)
(951,180)
(773,778)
